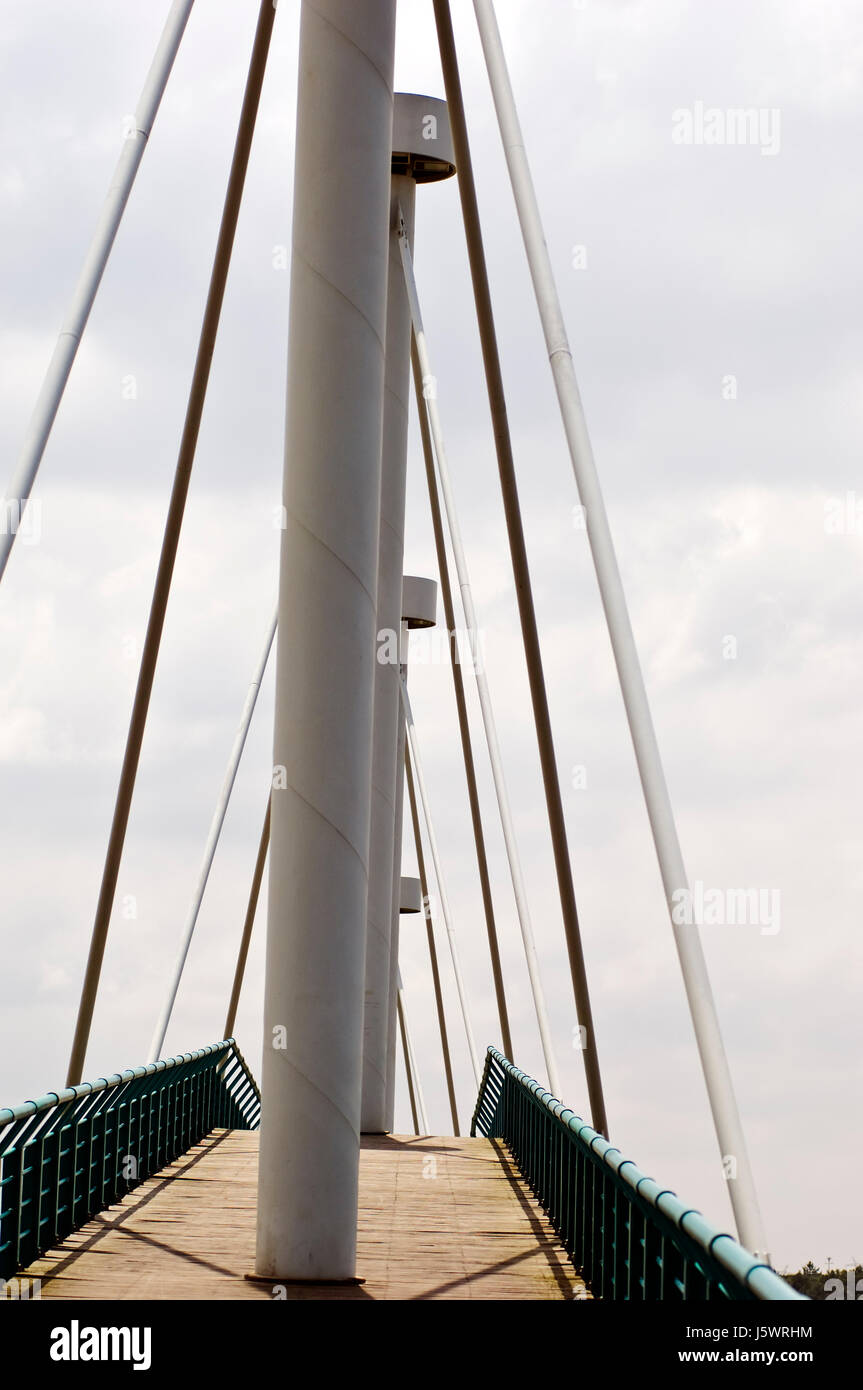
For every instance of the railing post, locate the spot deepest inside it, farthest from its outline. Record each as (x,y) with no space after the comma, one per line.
(21,1203)
(608,1210)
(58,1190)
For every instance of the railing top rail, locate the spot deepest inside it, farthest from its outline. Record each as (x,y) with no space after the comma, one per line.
(27,1108)
(761,1279)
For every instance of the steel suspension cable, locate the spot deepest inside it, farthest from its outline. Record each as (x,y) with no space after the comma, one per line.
(251,909)
(699,992)
(429,392)
(410,1080)
(441,884)
(215,832)
(435,969)
(84,294)
(461,707)
(520,566)
(418,1105)
(170,542)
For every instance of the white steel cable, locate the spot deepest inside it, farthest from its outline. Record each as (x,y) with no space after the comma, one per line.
(84,295)
(430,396)
(211,845)
(411,1061)
(717,1075)
(441,885)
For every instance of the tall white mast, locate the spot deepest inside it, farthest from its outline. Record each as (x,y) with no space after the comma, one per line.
(315,959)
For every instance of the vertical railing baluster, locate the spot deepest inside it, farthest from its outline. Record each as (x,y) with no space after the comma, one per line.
(82,1158)
(652,1262)
(568,1227)
(109,1157)
(59,1180)
(120,1147)
(183,1115)
(7,1218)
(607,1240)
(596,1223)
(44,1193)
(164,1101)
(559,1198)
(629,1219)
(21,1203)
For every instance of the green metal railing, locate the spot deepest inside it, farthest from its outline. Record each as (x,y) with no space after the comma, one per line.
(628,1237)
(68,1156)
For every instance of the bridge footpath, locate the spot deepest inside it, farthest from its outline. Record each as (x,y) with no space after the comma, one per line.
(439,1218)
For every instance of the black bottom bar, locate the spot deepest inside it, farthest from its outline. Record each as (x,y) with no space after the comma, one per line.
(189,1339)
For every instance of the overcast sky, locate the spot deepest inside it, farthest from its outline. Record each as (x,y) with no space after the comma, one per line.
(713,296)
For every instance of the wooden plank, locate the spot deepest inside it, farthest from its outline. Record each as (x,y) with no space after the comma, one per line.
(439,1218)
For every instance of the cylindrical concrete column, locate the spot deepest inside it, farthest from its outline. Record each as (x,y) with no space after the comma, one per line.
(313,1009)
(421,154)
(389,592)
(419,609)
(395,916)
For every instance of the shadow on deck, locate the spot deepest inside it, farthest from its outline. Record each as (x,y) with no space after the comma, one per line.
(439,1218)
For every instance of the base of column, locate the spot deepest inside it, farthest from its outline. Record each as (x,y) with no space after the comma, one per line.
(317,1283)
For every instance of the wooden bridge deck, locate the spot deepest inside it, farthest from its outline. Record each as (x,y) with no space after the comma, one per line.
(439,1218)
